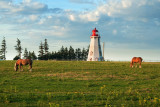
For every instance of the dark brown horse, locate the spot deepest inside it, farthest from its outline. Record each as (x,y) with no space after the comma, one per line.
(136,60)
(21,62)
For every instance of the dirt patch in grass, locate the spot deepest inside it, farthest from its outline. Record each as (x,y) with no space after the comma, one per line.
(83,76)
(73,75)
(65,75)
(118,77)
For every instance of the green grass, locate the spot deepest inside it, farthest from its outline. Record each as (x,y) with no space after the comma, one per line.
(80,83)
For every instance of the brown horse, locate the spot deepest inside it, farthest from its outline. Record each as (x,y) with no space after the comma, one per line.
(136,60)
(21,62)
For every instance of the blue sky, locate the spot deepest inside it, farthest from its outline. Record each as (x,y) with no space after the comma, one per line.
(128,27)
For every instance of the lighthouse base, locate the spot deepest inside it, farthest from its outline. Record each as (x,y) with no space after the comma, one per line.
(95,59)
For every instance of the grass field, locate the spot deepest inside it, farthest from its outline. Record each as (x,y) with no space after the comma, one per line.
(80,84)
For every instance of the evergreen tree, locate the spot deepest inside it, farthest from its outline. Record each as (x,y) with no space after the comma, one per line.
(0,55)
(3,49)
(18,48)
(16,58)
(71,54)
(26,54)
(61,53)
(53,55)
(49,55)
(78,54)
(83,55)
(41,51)
(34,57)
(56,55)
(29,55)
(66,53)
(46,47)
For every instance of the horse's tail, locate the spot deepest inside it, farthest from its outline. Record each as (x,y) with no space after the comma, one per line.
(15,68)
(31,62)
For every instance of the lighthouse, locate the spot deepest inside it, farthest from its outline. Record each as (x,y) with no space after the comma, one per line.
(95,53)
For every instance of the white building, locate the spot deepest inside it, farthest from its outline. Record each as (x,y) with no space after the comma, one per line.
(95,53)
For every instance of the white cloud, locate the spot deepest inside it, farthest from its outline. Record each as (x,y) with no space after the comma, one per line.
(22,20)
(72,17)
(33,17)
(130,9)
(41,21)
(126,3)
(93,2)
(114,32)
(27,1)
(24,8)
(81,1)
(91,16)
(49,17)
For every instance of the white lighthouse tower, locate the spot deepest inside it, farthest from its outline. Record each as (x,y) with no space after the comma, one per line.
(95,53)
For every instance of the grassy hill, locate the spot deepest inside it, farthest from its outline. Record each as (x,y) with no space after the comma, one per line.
(80,83)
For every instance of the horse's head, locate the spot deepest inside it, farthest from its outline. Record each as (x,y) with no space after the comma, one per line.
(15,67)
(131,65)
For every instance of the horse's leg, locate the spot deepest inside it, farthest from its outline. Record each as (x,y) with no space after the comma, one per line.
(20,67)
(136,65)
(131,65)
(30,67)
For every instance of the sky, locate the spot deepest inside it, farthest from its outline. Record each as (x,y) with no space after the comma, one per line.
(127,27)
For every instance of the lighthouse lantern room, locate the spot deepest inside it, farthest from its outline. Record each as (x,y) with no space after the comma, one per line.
(95,53)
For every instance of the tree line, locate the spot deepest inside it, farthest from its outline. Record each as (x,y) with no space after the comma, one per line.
(63,53)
